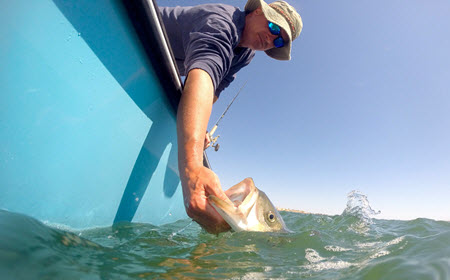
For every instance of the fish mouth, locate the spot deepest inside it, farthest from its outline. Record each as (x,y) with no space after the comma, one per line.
(235,212)
(229,212)
(221,204)
(247,209)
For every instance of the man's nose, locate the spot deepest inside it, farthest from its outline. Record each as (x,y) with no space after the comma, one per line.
(270,37)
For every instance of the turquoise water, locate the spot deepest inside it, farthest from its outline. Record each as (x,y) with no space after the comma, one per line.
(349,246)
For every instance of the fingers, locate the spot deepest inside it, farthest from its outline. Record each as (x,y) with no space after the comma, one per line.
(197,204)
(208,219)
(217,228)
(215,188)
(212,223)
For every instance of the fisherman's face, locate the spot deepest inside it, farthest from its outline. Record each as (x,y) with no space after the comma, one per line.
(256,34)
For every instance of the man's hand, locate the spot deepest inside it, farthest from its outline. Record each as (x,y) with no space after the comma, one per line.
(199,184)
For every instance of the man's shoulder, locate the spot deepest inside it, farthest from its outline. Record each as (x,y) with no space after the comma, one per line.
(219,7)
(204,10)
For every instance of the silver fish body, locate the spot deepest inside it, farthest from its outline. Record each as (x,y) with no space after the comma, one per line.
(251,209)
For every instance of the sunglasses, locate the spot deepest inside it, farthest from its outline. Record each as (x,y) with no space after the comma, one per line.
(275,30)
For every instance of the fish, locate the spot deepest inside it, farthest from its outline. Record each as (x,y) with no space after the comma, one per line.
(250,210)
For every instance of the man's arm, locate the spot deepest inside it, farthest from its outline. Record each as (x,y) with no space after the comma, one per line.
(198,182)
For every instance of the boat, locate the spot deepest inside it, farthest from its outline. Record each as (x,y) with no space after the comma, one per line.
(88,119)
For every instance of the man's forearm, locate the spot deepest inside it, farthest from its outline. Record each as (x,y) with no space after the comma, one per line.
(198,182)
(192,119)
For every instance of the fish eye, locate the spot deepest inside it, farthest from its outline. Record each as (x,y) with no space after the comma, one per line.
(271,217)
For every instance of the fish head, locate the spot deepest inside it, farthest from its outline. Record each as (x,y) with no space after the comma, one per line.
(250,210)
(269,219)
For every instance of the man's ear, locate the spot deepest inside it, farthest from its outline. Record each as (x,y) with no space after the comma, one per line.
(258,11)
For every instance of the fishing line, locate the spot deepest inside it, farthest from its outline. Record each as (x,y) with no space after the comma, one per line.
(214,140)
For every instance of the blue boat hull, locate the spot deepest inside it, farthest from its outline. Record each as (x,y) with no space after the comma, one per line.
(88,135)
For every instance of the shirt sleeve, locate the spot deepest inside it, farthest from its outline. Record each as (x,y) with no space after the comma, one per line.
(238,63)
(210,47)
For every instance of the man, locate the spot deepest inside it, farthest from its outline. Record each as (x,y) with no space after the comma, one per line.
(211,43)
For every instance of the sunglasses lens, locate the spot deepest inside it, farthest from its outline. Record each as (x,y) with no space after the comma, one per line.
(278,42)
(274,29)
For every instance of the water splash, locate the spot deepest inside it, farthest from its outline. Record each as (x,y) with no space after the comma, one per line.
(318,263)
(358,205)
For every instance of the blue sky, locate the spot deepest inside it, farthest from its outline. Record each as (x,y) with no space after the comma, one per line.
(363,105)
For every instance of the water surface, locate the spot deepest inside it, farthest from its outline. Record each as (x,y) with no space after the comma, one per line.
(348,246)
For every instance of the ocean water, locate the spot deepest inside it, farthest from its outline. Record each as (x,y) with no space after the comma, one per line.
(353,245)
